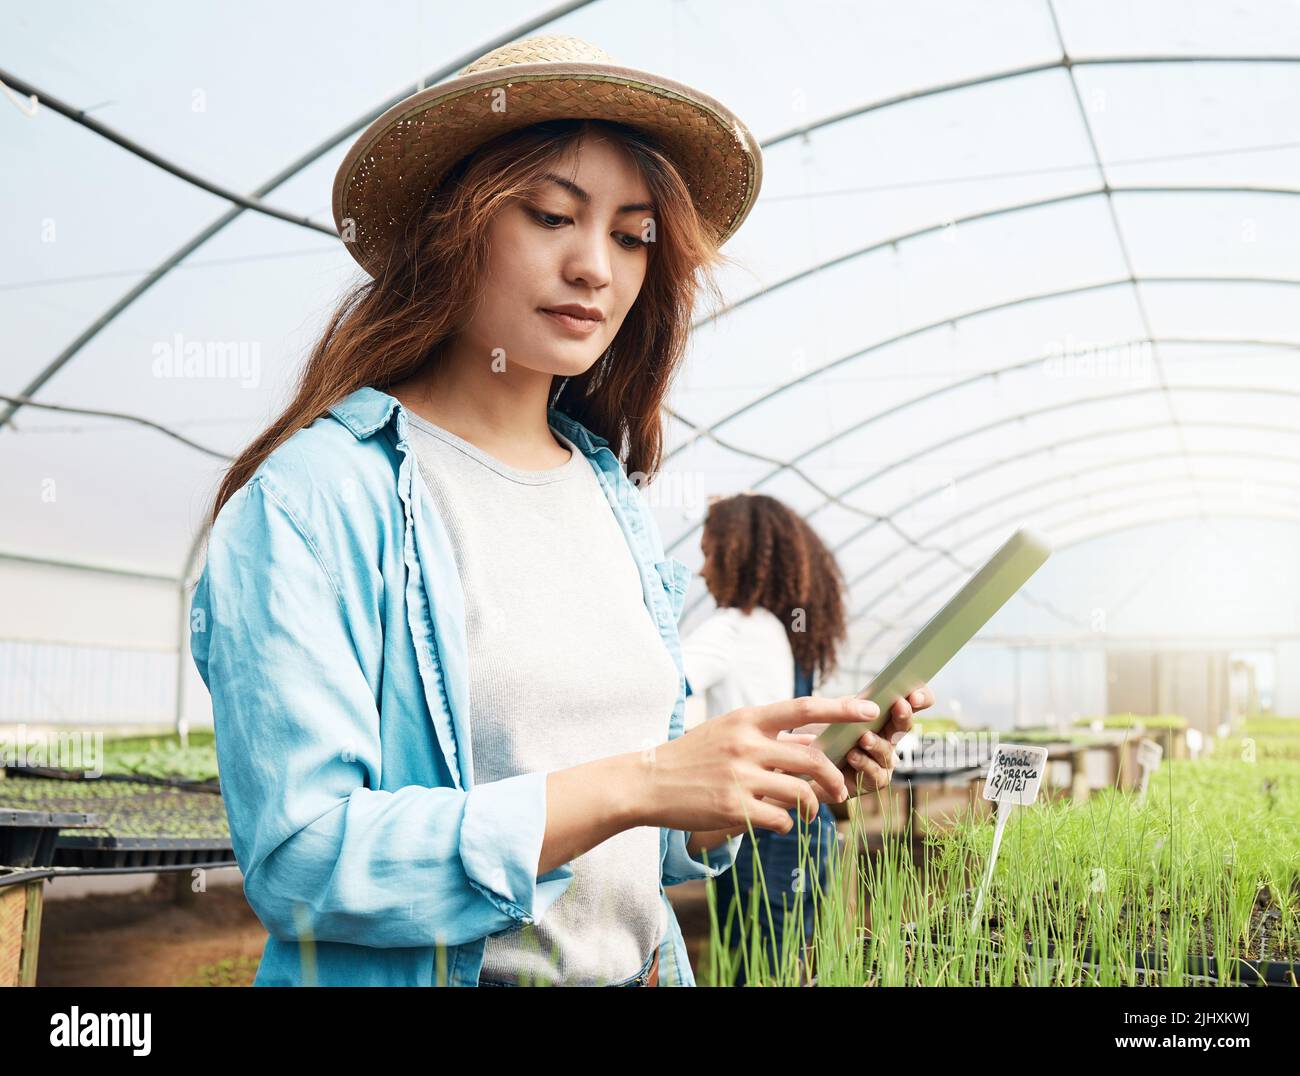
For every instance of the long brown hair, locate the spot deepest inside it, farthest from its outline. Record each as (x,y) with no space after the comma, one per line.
(762,553)
(386,329)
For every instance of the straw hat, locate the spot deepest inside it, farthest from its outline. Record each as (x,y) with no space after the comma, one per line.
(400,159)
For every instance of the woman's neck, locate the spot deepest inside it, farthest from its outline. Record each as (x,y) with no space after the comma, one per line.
(504,413)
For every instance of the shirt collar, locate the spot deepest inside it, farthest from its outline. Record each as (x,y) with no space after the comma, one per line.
(368,409)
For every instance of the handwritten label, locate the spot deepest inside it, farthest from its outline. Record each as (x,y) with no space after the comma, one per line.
(1149,754)
(1015,774)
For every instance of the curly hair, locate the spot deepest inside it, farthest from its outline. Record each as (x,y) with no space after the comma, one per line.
(762,553)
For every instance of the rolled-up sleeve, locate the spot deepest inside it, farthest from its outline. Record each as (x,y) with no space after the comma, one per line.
(680,866)
(327,854)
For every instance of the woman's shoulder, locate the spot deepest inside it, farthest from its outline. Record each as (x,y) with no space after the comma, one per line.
(327,454)
(758,621)
(330,482)
(761,629)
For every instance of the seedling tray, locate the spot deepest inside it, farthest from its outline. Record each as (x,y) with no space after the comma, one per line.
(136,825)
(127,853)
(188,783)
(1248,972)
(28,838)
(1201,968)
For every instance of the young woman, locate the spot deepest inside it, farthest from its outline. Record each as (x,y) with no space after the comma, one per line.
(778,622)
(436,618)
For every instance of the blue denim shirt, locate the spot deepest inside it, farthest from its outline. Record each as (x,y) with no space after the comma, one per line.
(329,627)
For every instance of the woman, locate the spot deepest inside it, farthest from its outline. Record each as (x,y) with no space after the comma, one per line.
(779,618)
(447,727)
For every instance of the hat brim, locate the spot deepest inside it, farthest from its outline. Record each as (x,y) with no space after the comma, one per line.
(401,158)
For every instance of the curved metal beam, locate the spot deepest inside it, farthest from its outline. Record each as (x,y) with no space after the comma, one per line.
(79,116)
(947,583)
(1008,420)
(984,214)
(1053,408)
(941,88)
(1121,282)
(942,390)
(280,178)
(1053,479)
(1105,532)
(1129,267)
(1158,482)
(26,401)
(77,566)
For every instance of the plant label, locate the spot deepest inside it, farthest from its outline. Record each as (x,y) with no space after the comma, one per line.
(1015,774)
(1149,755)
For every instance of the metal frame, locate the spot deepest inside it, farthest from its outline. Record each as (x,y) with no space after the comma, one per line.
(1071,543)
(1063,405)
(1052,480)
(241,203)
(1005,523)
(925,397)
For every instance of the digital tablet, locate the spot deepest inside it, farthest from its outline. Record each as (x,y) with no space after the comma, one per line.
(951,628)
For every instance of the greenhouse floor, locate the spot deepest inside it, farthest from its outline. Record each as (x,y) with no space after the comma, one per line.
(144,938)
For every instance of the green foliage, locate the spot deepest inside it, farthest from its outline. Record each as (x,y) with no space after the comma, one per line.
(232,971)
(163,756)
(1132,721)
(1208,864)
(128,809)
(1282,727)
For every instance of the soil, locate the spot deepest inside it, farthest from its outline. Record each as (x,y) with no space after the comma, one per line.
(146,938)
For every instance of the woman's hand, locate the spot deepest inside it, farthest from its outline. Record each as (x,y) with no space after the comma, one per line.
(740,766)
(869,765)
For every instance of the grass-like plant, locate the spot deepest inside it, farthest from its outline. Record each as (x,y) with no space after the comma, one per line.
(1107,892)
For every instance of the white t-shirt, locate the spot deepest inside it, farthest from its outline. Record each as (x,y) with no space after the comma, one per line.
(735,659)
(565,667)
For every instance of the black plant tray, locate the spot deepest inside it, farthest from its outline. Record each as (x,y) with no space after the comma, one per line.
(138,826)
(1248,972)
(29,838)
(142,853)
(187,783)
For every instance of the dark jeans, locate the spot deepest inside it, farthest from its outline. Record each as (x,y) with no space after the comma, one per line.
(788,895)
(639,979)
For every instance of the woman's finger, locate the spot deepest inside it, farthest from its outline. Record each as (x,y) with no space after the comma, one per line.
(778,820)
(789,792)
(871,773)
(878,748)
(804,759)
(816,729)
(768,813)
(795,713)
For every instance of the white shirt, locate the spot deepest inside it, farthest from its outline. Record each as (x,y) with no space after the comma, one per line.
(735,659)
(565,667)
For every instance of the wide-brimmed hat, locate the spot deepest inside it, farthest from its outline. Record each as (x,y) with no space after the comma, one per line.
(400,159)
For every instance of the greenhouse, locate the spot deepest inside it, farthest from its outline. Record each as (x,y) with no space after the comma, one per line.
(1014,280)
